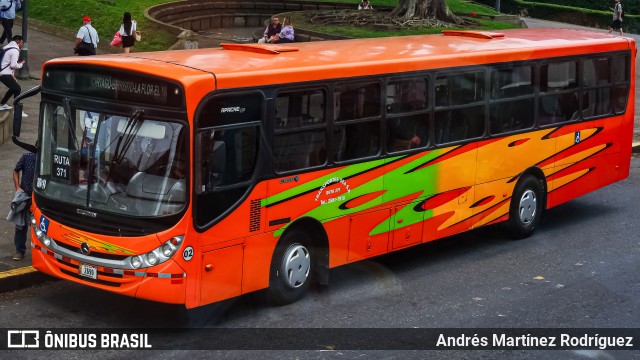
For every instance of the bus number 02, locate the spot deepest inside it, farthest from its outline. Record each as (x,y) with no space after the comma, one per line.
(187,254)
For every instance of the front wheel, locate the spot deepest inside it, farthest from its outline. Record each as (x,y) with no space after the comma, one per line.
(291,268)
(526,207)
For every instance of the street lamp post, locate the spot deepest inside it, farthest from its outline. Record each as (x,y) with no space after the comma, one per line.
(498,5)
(23,73)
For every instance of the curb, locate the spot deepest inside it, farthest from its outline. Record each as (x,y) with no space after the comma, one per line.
(21,278)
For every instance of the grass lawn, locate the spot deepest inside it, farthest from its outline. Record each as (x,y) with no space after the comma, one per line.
(106,17)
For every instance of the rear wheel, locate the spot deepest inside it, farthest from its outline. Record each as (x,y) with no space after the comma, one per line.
(291,268)
(526,207)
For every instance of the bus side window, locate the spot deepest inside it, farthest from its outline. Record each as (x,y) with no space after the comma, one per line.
(506,113)
(359,120)
(300,130)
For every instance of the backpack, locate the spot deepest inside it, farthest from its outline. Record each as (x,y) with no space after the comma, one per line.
(621,10)
(4,51)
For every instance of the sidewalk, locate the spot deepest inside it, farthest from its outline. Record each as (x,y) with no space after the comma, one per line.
(42,47)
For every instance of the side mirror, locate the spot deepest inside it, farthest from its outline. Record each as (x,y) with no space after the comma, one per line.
(17,119)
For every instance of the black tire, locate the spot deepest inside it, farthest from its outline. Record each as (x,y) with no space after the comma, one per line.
(291,268)
(527,204)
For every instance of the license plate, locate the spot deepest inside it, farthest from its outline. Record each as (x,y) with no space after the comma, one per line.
(88,271)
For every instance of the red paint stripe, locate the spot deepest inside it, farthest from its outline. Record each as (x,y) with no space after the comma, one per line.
(176,281)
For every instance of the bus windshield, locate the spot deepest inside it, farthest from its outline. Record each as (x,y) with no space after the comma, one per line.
(124,164)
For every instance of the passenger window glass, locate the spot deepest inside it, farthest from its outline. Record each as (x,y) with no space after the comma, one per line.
(459,89)
(620,69)
(459,124)
(407,96)
(620,94)
(560,108)
(300,133)
(596,72)
(228,156)
(357,101)
(356,132)
(511,116)
(407,132)
(301,108)
(558,76)
(512,82)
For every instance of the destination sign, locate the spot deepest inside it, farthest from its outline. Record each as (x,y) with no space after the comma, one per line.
(66,165)
(113,84)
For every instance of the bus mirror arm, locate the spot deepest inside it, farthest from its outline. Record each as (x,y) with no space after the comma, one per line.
(17,118)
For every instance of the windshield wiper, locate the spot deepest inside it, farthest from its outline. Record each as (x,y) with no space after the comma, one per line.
(128,135)
(70,121)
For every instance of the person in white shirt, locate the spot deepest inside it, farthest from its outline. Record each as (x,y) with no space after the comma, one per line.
(8,65)
(364,5)
(87,34)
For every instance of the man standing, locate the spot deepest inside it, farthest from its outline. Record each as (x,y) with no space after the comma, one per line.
(22,201)
(7,15)
(616,24)
(7,68)
(87,38)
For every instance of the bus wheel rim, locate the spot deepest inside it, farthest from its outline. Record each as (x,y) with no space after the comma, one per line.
(528,207)
(296,265)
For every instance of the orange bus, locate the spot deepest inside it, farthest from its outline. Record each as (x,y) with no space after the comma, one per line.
(194,176)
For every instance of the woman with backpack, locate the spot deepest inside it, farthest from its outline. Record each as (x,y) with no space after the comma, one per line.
(9,63)
(128,32)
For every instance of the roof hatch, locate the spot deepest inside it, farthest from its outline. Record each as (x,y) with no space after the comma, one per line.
(261,49)
(473,34)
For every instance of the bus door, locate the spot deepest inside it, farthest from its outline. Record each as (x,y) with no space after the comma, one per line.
(226,159)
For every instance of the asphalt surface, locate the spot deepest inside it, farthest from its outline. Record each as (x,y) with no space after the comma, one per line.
(43,46)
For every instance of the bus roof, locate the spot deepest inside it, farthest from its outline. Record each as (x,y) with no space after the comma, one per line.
(254,65)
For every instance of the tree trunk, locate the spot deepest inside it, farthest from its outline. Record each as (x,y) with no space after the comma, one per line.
(423,9)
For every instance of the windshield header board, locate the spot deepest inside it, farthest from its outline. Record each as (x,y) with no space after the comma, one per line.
(115,85)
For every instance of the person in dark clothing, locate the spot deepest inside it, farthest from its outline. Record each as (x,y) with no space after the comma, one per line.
(27,166)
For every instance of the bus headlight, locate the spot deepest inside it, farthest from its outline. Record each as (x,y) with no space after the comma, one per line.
(167,250)
(158,255)
(46,241)
(152,258)
(136,261)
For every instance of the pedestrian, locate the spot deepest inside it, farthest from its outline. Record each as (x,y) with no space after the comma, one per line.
(7,15)
(86,39)
(21,204)
(8,65)
(616,24)
(365,5)
(128,31)
(272,29)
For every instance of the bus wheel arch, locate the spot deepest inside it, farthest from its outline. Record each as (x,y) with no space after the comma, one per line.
(528,203)
(303,244)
